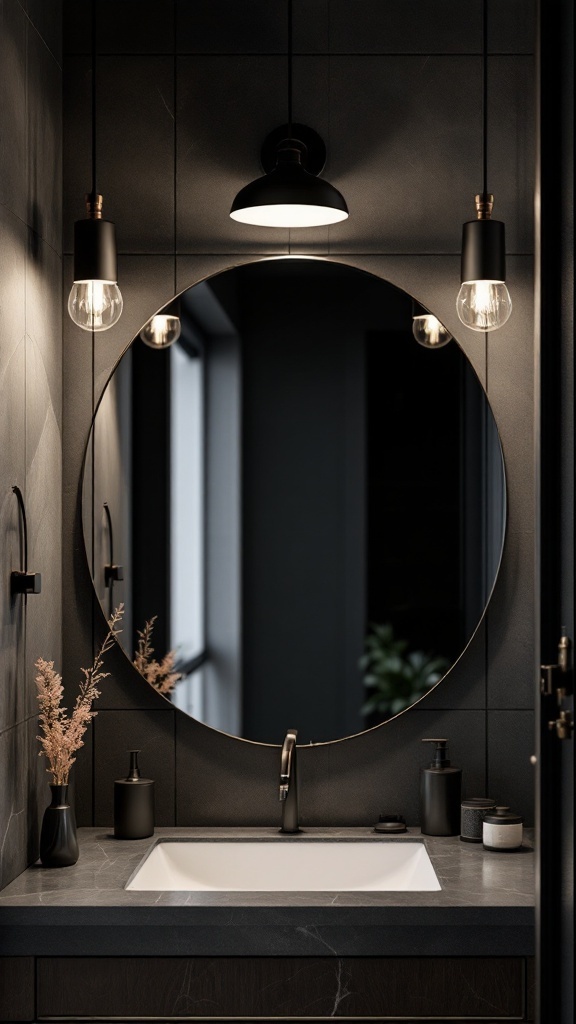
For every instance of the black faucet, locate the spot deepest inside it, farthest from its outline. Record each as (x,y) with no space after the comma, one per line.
(289,783)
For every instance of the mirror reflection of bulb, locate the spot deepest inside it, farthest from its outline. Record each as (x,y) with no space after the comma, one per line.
(484,305)
(429,332)
(161,331)
(95,305)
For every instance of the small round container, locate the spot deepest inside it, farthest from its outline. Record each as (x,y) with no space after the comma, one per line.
(472,813)
(502,830)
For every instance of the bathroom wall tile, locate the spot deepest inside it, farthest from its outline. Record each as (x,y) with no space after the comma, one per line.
(76,144)
(46,17)
(77,591)
(225,110)
(13,703)
(20,809)
(223,778)
(377,772)
(76,24)
(511,148)
(135,26)
(511,742)
(132,26)
(43,457)
(511,637)
(152,732)
(135,126)
(224,26)
(44,121)
(13,108)
(418,105)
(381,774)
(511,26)
(370,26)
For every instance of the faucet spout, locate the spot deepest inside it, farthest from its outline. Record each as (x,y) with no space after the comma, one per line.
(288,792)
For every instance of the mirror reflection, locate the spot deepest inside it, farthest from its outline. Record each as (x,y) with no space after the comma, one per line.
(301,507)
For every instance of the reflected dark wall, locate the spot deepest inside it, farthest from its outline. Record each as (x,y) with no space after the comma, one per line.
(415,534)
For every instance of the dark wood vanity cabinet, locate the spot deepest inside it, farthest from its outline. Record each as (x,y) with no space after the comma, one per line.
(261,988)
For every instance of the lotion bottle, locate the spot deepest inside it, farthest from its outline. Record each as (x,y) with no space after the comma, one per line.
(440,794)
(133,804)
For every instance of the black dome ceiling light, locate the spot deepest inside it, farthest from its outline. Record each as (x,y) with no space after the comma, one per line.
(290,194)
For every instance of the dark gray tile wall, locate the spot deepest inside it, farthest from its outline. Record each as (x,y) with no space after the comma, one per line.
(397,95)
(30,400)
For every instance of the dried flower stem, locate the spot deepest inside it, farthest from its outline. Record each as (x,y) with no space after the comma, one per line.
(61,734)
(160,674)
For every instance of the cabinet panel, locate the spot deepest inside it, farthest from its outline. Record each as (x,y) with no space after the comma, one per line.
(265,987)
(17,988)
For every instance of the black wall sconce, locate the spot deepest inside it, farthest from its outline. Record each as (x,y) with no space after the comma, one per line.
(22,581)
(290,194)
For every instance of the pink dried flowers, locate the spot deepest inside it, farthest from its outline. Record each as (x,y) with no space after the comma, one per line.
(160,674)
(62,734)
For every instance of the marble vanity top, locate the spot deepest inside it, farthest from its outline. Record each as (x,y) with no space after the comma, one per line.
(485,906)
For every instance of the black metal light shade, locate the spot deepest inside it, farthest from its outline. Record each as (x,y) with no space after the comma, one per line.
(483,251)
(95,251)
(290,195)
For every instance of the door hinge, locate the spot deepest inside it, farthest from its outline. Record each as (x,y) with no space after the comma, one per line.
(556,680)
(563,725)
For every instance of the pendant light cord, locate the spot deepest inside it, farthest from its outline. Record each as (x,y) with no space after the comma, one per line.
(290,68)
(93,98)
(484,96)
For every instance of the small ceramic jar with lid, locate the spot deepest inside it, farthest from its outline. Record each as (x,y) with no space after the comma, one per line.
(502,830)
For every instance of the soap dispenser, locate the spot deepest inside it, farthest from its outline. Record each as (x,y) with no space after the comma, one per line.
(440,794)
(133,804)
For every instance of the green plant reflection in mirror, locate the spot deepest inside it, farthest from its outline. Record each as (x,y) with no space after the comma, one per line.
(294,469)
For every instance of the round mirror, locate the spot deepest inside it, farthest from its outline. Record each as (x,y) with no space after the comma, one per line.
(300,501)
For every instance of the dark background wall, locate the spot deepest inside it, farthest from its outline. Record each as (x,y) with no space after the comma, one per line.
(30,400)
(396,93)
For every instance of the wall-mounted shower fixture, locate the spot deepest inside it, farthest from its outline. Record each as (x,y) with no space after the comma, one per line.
(22,581)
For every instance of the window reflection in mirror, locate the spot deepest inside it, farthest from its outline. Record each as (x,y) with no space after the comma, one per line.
(308,503)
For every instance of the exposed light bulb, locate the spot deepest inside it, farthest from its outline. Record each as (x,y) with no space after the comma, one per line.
(161,331)
(429,332)
(483,305)
(95,305)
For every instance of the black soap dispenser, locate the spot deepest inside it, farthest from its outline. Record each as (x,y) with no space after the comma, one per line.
(133,804)
(440,794)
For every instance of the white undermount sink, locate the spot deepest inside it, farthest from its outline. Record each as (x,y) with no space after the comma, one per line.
(286,866)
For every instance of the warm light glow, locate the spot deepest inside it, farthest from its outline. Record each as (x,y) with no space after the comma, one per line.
(161,331)
(429,332)
(483,305)
(95,305)
(289,215)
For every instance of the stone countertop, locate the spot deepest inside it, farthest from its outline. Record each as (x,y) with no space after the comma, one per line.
(485,906)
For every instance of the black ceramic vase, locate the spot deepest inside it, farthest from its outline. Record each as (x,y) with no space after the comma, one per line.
(58,841)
